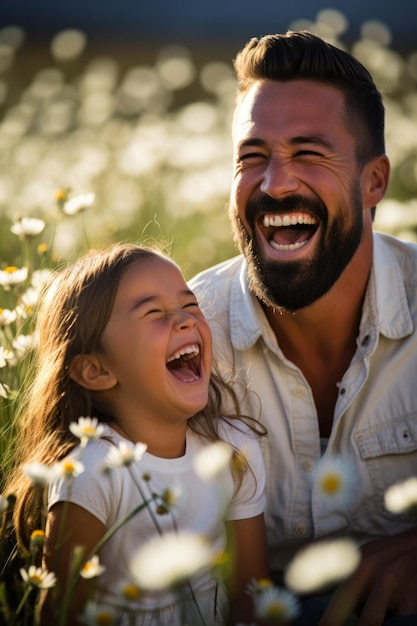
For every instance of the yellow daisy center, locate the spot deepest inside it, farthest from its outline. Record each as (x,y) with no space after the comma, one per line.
(331,483)
(276,609)
(37,533)
(131,592)
(36,580)
(104,619)
(68,467)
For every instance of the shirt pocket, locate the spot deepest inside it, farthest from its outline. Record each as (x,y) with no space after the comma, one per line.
(389,455)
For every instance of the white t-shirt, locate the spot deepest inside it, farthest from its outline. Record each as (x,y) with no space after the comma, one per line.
(202,508)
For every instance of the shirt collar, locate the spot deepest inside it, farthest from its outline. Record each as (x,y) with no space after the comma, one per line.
(387,288)
(247,321)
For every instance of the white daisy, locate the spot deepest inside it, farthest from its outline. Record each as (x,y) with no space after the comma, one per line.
(124,454)
(334,479)
(39,473)
(12,276)
(38,577)
(322,564)
(96,615)
(402,497)
(7,317)
(22,344)
(68,468)
(5,356)
(168,560)
(129,592)
(168,499)
(257,585)
(92,568)
(276,605)
(40,278)
(213,459)
(28,227)
(86,428)
(78,203)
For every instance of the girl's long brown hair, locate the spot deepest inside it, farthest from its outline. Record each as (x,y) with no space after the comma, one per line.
(70,320)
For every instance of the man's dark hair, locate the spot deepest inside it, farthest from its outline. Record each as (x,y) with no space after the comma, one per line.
(300,55)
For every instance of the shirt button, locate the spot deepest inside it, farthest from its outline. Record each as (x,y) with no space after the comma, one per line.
(301,529)
(365,340)
(298,391)
(308,466)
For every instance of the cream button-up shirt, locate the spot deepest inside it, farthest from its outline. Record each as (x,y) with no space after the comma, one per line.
(375,419)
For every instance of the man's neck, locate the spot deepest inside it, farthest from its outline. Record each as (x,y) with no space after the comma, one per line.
(321,338)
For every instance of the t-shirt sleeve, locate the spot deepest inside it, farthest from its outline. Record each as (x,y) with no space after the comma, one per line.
(250,496)
(93,489)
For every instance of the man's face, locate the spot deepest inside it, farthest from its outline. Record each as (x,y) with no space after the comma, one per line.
(296,201)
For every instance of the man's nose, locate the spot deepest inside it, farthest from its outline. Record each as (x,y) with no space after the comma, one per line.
(278,178)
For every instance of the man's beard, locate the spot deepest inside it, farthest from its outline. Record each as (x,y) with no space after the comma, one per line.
(293,285)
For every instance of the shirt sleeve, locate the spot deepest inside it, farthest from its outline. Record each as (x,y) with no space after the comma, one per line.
(93,489)
(250,496)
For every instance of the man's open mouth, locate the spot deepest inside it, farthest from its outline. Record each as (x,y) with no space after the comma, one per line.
(185,364)
(289,231)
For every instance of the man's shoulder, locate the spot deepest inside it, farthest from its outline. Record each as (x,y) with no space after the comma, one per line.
(398,246)
(216,279)
(222,271)
(213,288)
(404,252)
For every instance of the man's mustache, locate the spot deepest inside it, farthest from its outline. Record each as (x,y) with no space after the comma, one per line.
(292,203)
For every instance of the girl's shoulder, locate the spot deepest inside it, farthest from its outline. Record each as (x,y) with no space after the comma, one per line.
(236,431)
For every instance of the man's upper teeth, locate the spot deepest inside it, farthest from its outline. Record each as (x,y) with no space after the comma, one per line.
(290,219)
(194,350)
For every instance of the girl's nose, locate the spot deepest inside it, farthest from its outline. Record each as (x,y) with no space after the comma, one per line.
(184,319)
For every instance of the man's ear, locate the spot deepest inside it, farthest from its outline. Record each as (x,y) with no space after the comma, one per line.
(375,180)
(88,371)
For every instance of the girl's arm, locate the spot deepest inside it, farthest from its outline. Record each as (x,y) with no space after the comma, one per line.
(69,527)
(250,560)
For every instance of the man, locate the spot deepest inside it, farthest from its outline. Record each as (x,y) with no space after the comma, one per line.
(317,315)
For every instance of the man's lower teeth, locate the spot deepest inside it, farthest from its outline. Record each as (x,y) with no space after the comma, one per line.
(288,246)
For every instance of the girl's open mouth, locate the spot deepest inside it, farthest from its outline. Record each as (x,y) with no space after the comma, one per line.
(185,364)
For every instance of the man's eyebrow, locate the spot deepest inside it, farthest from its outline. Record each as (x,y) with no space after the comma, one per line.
(253,141)
(294,141)
(311,139)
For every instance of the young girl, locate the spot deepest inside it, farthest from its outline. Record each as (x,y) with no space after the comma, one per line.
(121,338)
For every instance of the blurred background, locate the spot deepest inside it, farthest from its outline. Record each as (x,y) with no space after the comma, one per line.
(132,102)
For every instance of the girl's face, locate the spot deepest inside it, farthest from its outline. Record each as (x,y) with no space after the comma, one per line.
(157,345)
